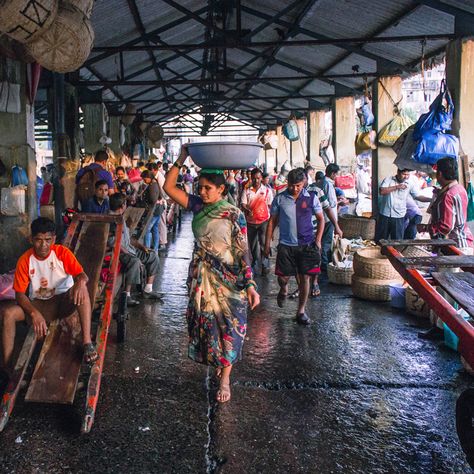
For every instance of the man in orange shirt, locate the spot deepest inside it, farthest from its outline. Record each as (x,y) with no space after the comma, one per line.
(49,281)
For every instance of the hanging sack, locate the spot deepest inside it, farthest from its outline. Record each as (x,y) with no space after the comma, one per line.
(365,114)
(12,201)
(405,148)
(85,188)
(439,117)
(470,202)
(290,130)
(394,129)
(19,176)
(434,146)
(365,141)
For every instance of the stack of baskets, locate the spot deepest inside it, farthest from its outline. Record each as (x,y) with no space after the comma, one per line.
(373,275)
(57,34)
(340,275)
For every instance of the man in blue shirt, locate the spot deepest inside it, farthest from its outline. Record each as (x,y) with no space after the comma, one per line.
(99,203)
(299,248)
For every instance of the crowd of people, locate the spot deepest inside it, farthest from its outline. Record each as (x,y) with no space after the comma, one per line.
(236,215)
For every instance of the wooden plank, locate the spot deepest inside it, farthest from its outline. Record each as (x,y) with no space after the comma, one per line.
(132,216)
(448,261)
(58,368)
(460,286)
(13,387)
(421,242)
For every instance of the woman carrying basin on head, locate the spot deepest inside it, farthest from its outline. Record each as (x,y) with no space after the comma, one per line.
(220,277)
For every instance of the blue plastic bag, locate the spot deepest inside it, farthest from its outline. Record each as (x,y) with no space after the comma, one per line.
(439,117)
(434,146)
(19,176)
(365,114)
(290,130)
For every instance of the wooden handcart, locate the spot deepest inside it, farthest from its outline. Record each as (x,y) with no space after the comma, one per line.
(460,287)
(57,370)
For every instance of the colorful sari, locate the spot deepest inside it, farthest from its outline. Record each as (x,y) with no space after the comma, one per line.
(219,275)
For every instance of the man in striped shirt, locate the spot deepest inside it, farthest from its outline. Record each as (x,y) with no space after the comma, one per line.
(449,208)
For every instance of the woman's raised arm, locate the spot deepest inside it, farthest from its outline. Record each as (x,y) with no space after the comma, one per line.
(176,194)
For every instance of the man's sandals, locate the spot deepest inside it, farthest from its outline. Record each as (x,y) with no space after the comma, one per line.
(90,353)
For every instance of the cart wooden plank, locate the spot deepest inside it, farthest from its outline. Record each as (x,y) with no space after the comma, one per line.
(421,242)
(13,387)
(460,286)
(448,261)
(132,216)
(58,367)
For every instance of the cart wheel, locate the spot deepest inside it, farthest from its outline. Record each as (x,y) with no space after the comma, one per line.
(122,317)
(465,423)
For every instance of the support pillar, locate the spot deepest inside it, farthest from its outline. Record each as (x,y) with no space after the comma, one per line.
(94,124)
(460,80)
(344,131)
(283,149)
(382,106)
(316,132)
(17,146)
(114,134)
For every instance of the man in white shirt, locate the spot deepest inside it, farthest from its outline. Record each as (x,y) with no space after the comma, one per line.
(394,191)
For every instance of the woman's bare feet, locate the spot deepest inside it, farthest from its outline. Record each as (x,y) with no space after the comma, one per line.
(223,394)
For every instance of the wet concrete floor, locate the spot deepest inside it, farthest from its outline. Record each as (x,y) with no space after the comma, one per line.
(356,392)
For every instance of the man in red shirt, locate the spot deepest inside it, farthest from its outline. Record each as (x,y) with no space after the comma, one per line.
(449,207)
(255,202)
(49,281)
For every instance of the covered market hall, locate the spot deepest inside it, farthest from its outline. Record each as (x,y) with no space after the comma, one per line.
(237,236)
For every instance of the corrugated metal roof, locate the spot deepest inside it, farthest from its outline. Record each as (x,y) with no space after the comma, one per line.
(184,22)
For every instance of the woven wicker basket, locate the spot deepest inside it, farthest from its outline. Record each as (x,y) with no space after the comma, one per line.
(354,227)
(416,252)
(339,276)
(84,6)
(67,43)
(155,133)
(26,20)
(415,305)
(370,263)
(372,290)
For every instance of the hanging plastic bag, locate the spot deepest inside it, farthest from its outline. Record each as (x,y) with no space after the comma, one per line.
(394,129)
(439,117)
(12,201)
(365,114)
(6,286)
(290,130)
(19,176)
(470,202)
(365,141)
(405,148)
(434,146)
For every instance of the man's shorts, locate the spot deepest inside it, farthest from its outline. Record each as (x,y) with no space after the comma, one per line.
(55,307)
(301,260)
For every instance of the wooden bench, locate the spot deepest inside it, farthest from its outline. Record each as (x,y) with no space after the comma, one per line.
(460,286)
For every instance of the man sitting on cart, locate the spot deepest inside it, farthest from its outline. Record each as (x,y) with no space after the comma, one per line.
(133,255)
(49,283)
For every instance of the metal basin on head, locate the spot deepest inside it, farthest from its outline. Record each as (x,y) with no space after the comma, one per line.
(225,155)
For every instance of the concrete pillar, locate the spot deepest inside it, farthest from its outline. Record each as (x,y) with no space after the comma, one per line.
(72,119)
(382,107)
(94,124)
(316,132)
(460,80)
(114,134)
(17,146)
(283,149)
(344,131)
